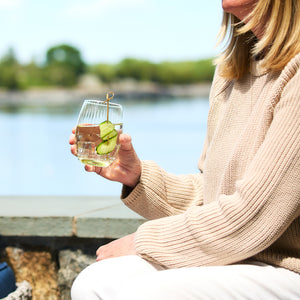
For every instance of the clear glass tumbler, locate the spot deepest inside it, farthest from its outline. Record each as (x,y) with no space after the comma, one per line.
(97,133)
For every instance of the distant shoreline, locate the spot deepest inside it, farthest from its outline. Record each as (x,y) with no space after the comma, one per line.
(126,90)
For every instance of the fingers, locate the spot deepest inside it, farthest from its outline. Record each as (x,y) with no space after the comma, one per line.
(74,150)
(90,168)
(98,251)
(72,139)
(116,248)
(72,142)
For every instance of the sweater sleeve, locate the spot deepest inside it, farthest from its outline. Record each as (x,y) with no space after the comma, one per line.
(160,194)
(244,223)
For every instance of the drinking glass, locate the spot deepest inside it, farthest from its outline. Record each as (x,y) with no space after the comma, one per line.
(97,133)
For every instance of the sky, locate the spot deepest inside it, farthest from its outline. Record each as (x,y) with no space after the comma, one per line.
(108,31)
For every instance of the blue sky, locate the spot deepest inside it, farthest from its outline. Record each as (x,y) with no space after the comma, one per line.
(110,30)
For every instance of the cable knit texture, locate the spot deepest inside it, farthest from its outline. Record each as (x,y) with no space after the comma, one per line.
(245,201)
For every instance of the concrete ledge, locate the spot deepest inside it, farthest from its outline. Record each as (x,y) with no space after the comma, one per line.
(66,216)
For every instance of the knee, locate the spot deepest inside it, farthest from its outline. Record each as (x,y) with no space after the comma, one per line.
(83,286)
(102,279)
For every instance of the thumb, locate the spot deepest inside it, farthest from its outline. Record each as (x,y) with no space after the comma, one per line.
(125,142)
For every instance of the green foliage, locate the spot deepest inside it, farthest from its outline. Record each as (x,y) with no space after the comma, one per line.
(105,72)
(165,72)
(204,70)
(137,69)
(9,71)
(33,75)
(64,65)
(185,72)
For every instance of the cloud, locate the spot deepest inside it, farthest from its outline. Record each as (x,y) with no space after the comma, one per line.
(82,8)
(10,4)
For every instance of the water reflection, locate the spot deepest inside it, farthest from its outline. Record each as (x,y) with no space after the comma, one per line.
(13,108)
(36,159)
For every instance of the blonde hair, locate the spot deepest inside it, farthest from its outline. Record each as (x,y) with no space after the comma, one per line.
(280,40)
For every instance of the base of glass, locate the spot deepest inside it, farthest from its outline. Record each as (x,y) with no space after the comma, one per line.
(95,163)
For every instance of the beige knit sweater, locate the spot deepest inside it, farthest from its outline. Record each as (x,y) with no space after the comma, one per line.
(245,201)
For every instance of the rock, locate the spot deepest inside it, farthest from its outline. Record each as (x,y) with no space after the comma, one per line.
(46,274)
(23,292)
(36,267)
(71,264)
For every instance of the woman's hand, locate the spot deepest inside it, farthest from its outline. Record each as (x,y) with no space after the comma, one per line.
(121,247)
(126,169)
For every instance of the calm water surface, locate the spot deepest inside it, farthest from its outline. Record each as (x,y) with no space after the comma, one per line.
(36,159)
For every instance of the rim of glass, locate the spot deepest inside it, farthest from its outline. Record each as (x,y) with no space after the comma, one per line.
(101,103)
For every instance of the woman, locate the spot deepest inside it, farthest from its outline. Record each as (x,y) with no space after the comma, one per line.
(232,231)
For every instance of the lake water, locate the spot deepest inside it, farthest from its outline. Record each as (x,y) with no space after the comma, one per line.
(36,159)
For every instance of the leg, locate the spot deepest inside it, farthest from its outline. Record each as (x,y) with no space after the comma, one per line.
(240,282)
(132,278)
(102,279)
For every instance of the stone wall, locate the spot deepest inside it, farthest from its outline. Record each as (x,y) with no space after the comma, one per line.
(50,265)
(49,245)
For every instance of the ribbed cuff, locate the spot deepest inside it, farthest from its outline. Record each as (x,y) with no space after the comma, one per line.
(166,242)
(146,197)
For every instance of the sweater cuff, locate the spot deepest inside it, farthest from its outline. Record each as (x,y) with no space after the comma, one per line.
(161,241)
(150,178)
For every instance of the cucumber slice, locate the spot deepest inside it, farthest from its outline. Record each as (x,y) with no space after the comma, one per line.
(110,135)
(107,146)
(106,127)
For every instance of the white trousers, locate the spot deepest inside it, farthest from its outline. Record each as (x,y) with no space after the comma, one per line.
(132,278)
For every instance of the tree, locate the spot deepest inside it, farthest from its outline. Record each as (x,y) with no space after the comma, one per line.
(64,65)
(9,71)
(105,72)
(138,69)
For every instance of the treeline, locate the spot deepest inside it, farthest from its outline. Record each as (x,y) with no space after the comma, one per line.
(64,66)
